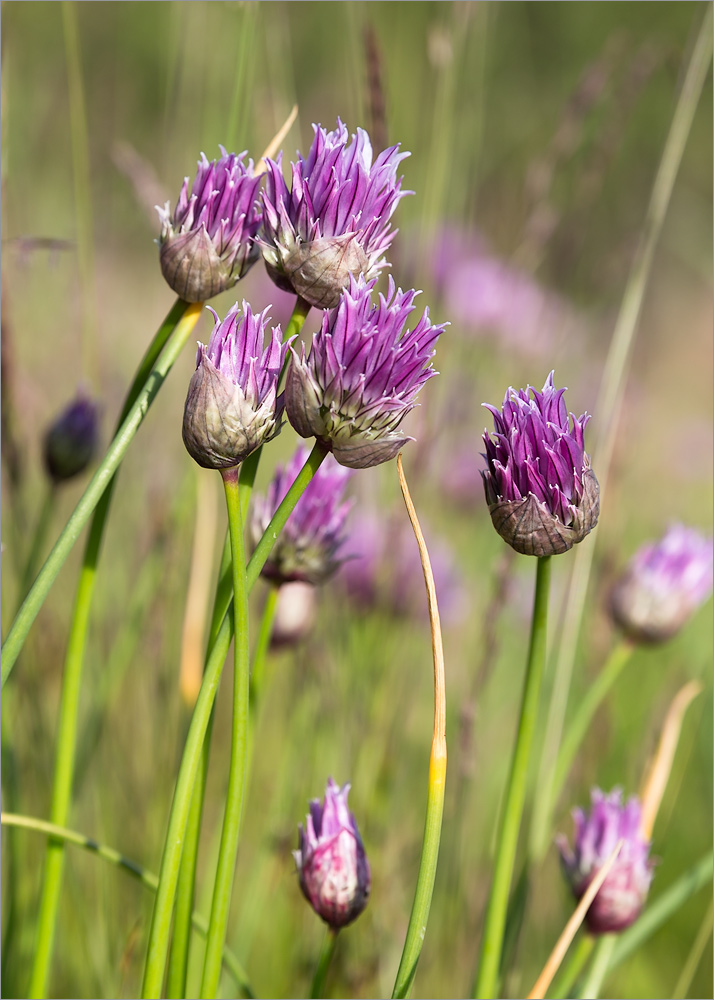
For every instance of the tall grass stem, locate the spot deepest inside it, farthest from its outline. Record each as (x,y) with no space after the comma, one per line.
(495,921)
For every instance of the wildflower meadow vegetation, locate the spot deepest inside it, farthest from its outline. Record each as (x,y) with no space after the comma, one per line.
(428,285)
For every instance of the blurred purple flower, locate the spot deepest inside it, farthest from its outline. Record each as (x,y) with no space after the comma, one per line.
(308,547)
(541,492)
(484,293)
(207,245)
(382,569)
(71,441)
(362,375)
(663,585)
(332,864)
(334,221)
(231,406)
(622,895)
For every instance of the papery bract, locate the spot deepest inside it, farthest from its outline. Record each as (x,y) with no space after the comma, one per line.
(208,243)
(334,221)
(232,401)
(331,861)
(542,495)
(362,375)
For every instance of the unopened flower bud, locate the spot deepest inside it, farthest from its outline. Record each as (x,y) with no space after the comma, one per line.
(71,441)
(207,245)
(622,895)
(542,495)
(663,585)
(231,407)
(332,864)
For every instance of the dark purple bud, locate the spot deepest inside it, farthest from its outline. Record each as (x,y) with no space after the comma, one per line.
(541,492)
(308,547)
(334,221)
(207,245)
(622,895)
(71,441)
(232,407)
(362,375)
(663,585)
(331,861)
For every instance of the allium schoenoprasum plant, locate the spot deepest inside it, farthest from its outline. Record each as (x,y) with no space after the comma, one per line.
(552,162)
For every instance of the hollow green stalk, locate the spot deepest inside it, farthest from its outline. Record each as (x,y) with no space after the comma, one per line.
(592,984)
(418,920)
(190,762)
(323,964)
(181,935)
(495,920)
(260,654)
(572,969)
(704,936)
(586,709)
(72,678)
(228,852)
(298,317)
(151,375)
(38,540)
(608,408)
(137,871)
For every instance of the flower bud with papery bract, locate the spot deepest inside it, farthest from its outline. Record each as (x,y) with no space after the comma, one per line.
(542,495)
(307,547)
(362,375)
(332,865)
(663,585)
(71,441)
(622,895)
(334,222)
(232,406)
(207,245)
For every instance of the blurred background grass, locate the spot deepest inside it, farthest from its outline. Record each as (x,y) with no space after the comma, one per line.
(535,131)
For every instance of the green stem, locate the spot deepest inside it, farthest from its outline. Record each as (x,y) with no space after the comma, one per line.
(262,645)
(190,762)
(571,970)
(295,323)
(228,852)
(38,540)
(608,408)
(72,677)
(147,383)
(494,924)
(586,709)
(137,871)
(185,890)
(704,936)
(598,968)
(328,950)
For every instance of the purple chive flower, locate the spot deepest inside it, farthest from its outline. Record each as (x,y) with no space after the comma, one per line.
(207,245)
(71,441)
(541,492)
(231,406)
(335,219)
(623,893)
(332,865)
(308,547)
(362,375)
(663,585)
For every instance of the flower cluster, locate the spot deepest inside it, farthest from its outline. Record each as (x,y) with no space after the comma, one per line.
(207,245)
(362,375)
(331,861)
(622,895)
(663,585)
(307,548)
(231,407)
(541,492)
(334,221)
